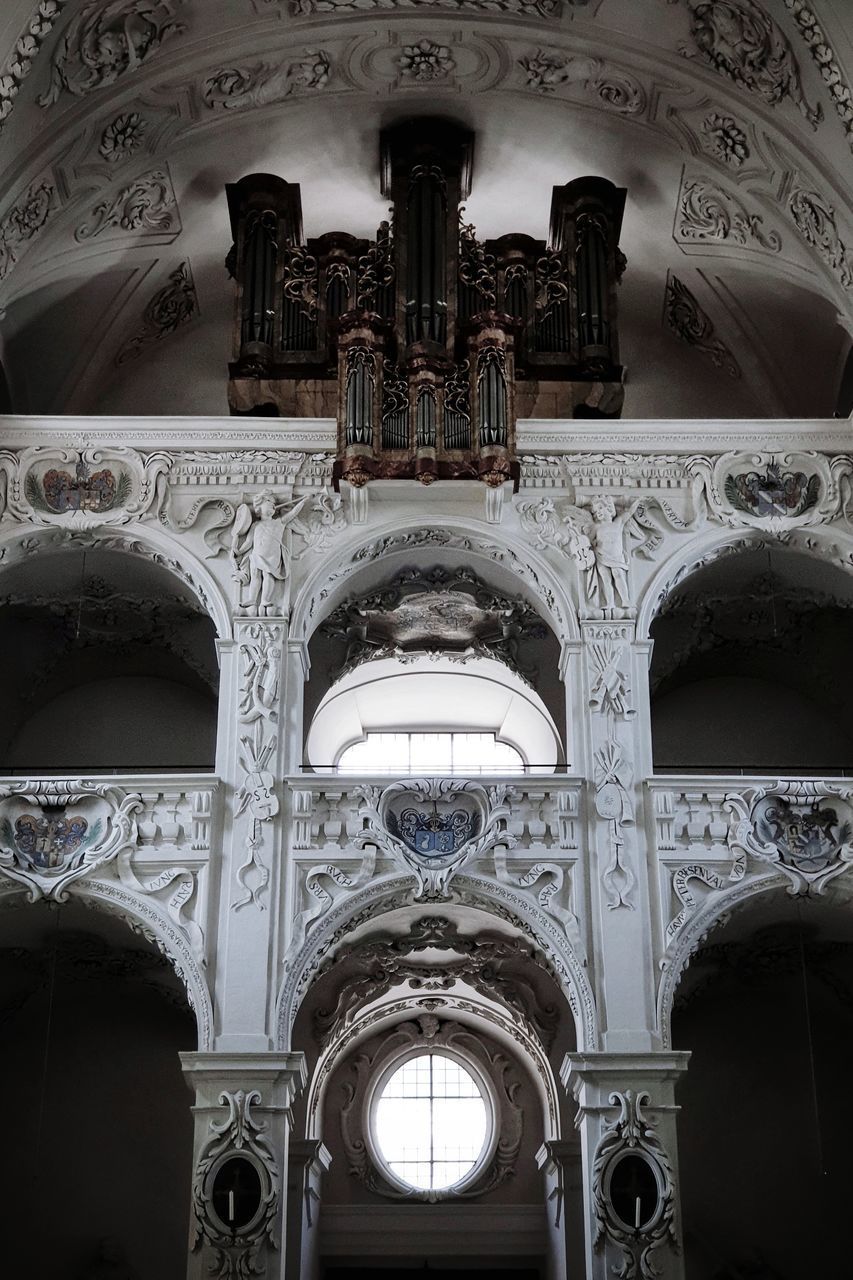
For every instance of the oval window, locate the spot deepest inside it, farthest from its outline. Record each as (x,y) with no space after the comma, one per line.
(236,1193)
(634,1192)
(431,1123)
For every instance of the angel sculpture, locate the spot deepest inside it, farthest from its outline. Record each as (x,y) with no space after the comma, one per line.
(260,549)
(597,540)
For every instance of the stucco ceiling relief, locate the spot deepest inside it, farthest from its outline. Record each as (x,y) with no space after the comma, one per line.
(826,62)
(740,40)
(147,204)
(263,83)
(815,220)
(685,317)
(584,78)
(23,222)
(171,306)
(708,214)
(20,61)
(105,41)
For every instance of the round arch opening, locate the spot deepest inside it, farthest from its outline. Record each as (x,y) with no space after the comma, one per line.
(109,665)
(749,667)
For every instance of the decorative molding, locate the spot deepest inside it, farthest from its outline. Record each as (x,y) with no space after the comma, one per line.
(146,204)
(448,612)
(743,43)
(545,71)
(27,47)
(512,8)
(632,1134)
(612,778)
(826,62)
(787,825)
(723,137)
(260,654)
(685,317)
(774,491)
(236,1253)
(263,84)
(172,306)
(466,821)
(45,849)
(488,962)
(86,487)
(432,1033)
(122,137)
(104,42)
(425,62)
(600,537)
(24,221)
(707,213)
(814,218)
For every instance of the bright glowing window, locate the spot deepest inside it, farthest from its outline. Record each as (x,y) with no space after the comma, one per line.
(431,1123)
(430,753)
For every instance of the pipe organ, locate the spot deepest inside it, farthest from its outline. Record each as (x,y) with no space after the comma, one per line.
(426,343)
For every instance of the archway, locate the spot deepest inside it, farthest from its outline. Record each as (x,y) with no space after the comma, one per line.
(97,1108)
(109,665)
(766,1009)
(749,666)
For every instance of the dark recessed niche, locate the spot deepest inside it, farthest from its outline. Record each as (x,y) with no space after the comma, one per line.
(634,1192)
(236,1193)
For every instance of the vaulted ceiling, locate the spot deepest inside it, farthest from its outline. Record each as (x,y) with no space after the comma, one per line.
(730,123)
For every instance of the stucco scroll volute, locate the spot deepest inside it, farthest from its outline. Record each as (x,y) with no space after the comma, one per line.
(54,832)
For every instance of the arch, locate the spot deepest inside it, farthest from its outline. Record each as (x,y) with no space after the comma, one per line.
(694,934)
(471,1011)
(143,918)
(327,582)
(712,545)
(147,543)
(389,892)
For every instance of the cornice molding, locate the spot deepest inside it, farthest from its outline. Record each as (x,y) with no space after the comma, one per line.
(535,435)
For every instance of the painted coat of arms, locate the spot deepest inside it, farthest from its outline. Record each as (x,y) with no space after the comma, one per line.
(49,841)
(808,839)
(54,832)
(774,492)
(59,491)
(434,833)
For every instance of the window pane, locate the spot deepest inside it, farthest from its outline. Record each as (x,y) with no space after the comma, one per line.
(430,753)
(431,1122)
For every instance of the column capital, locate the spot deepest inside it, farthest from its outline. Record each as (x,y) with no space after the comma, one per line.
(312,1153)
(612,1069)
(279,1077)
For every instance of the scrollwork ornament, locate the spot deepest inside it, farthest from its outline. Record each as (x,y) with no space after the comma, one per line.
(52,832)
(788,826)
(107,40)
(689,322)
(255,796)
(237,1254)
(146,204)
(465,821)
(771,491)
(743,43)
(632,1133)
(707,213)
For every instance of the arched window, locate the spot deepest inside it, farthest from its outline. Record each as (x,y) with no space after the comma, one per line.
(431,713)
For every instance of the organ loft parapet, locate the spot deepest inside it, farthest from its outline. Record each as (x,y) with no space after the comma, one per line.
(426,343)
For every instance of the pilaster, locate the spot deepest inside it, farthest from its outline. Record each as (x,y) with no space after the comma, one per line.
(251,761)
(561,1165)
(240,1160)
(309,1160)
(627,1126)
